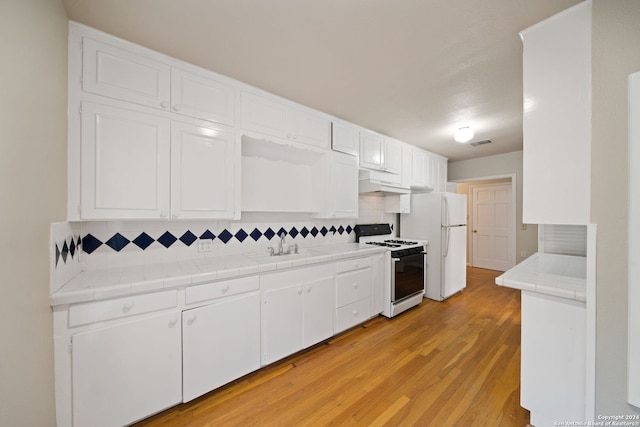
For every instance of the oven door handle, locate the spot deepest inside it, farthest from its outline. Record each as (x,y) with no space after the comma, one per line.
(393,278)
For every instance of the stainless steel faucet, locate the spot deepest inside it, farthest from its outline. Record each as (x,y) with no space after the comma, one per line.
(281,244)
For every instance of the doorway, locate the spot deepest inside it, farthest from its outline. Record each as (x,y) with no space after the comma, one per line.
(492,214)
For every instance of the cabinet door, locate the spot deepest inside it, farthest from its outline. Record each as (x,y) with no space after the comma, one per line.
(126,372)
(371,151)
(264,115)
(203,162)
(418,169)
(318,310)
(557,119)
(344,181)
(310,128)
(125,163)
(442,176)
(221,342)
(124,75)
(345,138)
(392,156)
(282,326)
(200,97)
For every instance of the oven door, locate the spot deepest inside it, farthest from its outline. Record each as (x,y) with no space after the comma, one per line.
(407,275)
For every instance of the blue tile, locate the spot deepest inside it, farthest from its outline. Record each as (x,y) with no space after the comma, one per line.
(207,235)
(333,229)
(269,233)
(225,236)
(117,242)
(143,241)
(72,248)
(65,252)
(167,239)
(255,234)
(293,232)
(281,232)
(324,231)
(188,238)
(90,243)
(304,232)
(341,229)
(57,254)
(349,229)
(314,231)
(241,235)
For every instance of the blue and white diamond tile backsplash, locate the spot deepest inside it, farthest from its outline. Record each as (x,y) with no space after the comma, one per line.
(66,253)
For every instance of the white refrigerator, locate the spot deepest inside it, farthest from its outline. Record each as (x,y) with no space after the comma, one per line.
(440,218)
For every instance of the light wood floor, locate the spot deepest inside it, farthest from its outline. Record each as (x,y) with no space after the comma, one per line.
(451,363)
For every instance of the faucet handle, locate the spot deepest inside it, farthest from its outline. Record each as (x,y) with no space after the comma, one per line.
(271,250)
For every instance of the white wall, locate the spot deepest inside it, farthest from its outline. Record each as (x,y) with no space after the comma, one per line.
(615,54)
(499,165)
(33,64)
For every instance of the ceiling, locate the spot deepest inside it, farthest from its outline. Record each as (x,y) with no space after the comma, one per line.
(412,69)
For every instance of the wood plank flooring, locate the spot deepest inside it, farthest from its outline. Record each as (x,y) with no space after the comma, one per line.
(451,363)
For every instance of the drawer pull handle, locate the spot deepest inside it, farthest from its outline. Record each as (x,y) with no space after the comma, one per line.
(127,307)
(355,312)
(191,319)
(173,322)
(308,289)
(300,290)
(225,289)
(355,285)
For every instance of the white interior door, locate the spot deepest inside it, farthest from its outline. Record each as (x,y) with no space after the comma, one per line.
(491,226)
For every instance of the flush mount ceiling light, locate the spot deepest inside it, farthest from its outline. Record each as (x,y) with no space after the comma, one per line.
(463,134)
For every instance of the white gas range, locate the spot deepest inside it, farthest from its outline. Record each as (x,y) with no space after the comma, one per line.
(406,261)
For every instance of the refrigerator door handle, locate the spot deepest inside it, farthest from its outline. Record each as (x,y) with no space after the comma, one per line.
(446,242)
(445,209)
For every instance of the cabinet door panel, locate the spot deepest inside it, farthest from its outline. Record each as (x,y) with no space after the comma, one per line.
(196,96)
(125,159)
(345,186)
(128,76)
(392,156)
(309,128)
(126,372)
(318,310)
(282,323)
(202,172)
(264,116)
(345,138)
(221,342)
(371,151)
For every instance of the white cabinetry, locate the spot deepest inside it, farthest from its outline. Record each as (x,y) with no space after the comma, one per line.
(126,161)
(380,153)
(378,282)
(272,117)
(553,371)
(353,293)
(345,137)
(557,117)
(221,342)
(203,171)
(126,372)
(341,187)
(125,74)
(195,95)
(297,310)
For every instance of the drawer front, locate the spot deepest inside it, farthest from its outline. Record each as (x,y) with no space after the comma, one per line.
(353,314)
(353,286)
(354,264)
(214,290)
(98,311)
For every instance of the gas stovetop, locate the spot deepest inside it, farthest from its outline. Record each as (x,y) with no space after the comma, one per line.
(381,235)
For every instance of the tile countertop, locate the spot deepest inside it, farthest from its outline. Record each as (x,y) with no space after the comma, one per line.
(551,274)
(92,285)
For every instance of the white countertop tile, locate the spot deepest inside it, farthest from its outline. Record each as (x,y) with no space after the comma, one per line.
(105,283)
(551,274)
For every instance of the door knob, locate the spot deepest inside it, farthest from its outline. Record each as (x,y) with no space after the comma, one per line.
(475,231)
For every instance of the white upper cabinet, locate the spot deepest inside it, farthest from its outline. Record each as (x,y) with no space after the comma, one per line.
(124,74)
(203,171)
(380,153)
(345,137)
(272,117)
(201,97)
(342,187)
(126,163)
(557,118)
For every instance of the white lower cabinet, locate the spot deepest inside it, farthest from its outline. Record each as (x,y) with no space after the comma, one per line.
(126,372)
(297,310)
(221,342)
(353,293)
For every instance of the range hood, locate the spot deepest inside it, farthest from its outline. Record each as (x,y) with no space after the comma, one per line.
(380,183)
